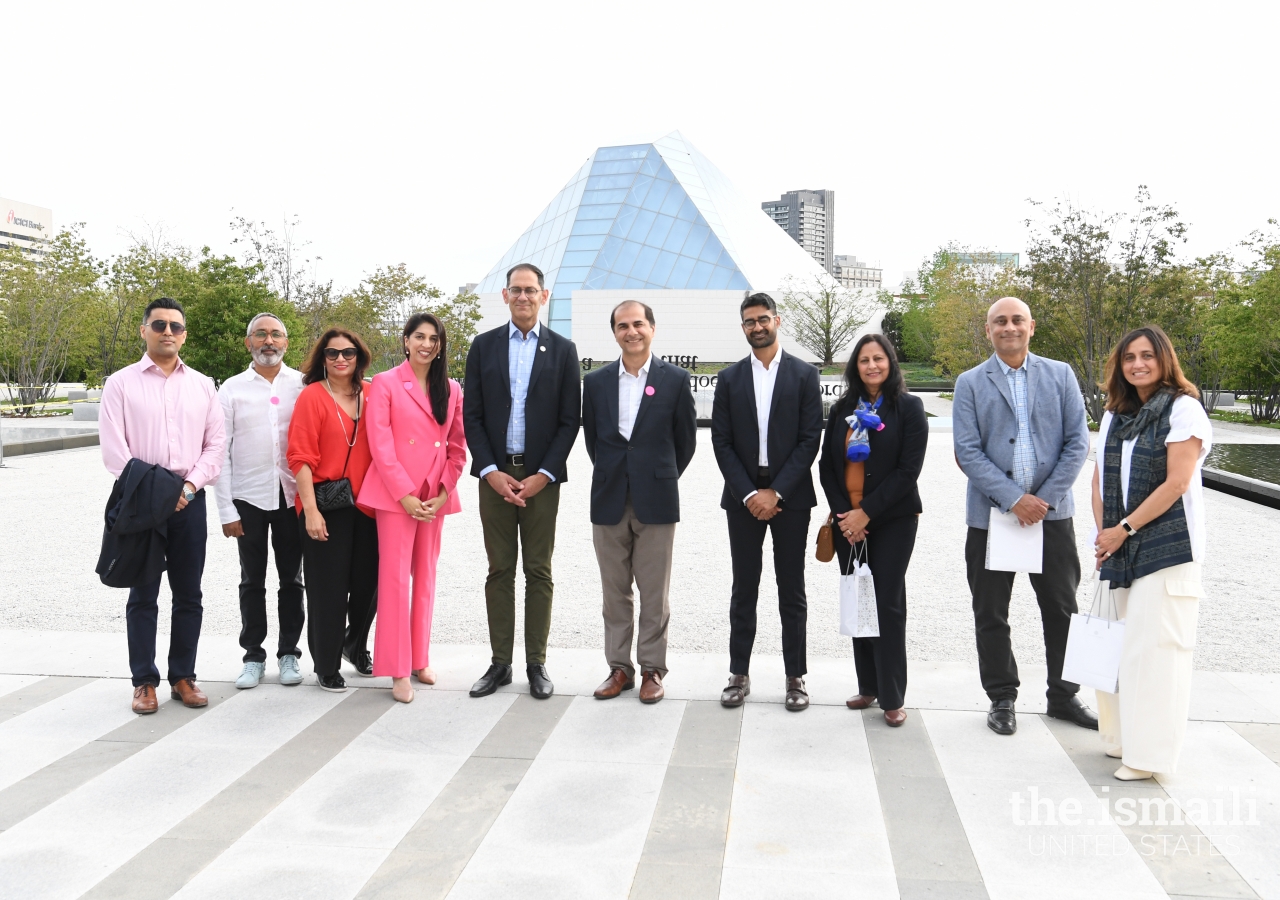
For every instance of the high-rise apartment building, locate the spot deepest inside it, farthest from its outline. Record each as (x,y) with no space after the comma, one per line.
(810,218)
(853,274)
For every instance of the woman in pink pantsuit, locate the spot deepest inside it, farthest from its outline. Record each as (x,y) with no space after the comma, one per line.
(418,448)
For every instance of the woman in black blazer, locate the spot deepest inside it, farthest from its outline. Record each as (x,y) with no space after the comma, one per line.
(876,501)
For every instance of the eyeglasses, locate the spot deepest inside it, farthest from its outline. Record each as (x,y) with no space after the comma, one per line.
(159,325)
(263,335)
(529,292)
(762,321)
(347,352)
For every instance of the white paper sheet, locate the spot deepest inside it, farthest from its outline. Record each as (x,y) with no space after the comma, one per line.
(1012,547)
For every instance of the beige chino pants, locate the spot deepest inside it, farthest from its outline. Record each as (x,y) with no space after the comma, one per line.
(627,552)
(1147,717)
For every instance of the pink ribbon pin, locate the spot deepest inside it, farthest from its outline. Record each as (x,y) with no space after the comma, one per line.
(408,385)
(275,400)
(649,391)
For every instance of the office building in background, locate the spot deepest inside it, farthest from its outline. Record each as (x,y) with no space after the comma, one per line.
(853,274)
(985,258)
(810,218)
(26,226)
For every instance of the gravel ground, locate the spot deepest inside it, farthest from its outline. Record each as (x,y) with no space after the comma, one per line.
(51,532)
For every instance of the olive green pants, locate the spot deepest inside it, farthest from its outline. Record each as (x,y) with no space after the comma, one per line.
(508,529)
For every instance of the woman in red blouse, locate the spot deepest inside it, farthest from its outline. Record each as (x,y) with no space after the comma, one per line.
(328,442)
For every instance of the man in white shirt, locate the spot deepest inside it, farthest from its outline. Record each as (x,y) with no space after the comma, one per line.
(641,430)
(766,424)
(256,497)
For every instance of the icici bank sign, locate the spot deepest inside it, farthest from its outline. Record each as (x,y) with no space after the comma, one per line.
(15,219)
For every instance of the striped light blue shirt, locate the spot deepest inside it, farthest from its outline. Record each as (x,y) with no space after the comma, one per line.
(1024,451)
(520,355)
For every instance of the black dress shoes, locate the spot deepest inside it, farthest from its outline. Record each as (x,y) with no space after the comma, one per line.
(1073,710)
(362,661)
(332,682)
(797,697)
(490,681)
(1001,718)
(540,685)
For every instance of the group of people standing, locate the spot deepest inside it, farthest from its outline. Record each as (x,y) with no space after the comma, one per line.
(349,480)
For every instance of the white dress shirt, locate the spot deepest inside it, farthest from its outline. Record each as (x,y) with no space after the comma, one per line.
(764,379)
(255,466)
(630,393)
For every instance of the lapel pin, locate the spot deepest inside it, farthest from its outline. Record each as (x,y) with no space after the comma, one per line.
(408,385)
(542,349)
(649,390)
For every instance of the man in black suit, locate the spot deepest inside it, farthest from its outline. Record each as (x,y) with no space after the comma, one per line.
(641,428)
(766,423)
(521,405)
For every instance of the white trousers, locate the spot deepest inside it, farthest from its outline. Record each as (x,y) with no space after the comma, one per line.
(1147,717)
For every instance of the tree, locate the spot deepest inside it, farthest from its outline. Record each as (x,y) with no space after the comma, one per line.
(1093,277)
(1245,332)
(221,299)
(823,316)
(396,294)
(151,268)
(43,299)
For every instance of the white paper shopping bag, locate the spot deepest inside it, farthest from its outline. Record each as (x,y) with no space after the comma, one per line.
(1012,546)
(1095,644)
(859,616)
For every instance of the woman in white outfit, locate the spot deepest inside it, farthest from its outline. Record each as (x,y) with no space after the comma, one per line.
(1149,509)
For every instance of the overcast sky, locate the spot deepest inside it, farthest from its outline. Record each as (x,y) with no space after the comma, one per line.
(433,134)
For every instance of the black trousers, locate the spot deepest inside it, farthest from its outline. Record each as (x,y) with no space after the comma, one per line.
(1055,591)
(188,532)
(282,523)
(342,586)
(881,662)
(790,530)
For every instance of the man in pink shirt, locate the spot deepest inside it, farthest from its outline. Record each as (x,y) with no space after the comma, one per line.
(160,412)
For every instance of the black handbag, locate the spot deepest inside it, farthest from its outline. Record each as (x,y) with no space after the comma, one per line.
(337,494)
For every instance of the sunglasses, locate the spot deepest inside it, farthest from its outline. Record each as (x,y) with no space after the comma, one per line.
(159,325)
(346,353)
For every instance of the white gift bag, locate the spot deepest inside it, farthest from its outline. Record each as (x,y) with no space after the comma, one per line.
(1095,644)
(859,616)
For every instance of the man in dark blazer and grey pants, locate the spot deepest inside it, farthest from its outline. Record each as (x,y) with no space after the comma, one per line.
(641,429)
(766,424)
(521,405)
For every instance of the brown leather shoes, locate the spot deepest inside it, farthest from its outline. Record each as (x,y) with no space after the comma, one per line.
(185,690)
(617,682)
(736,692)
(860,701)
(797,697)
(895,717)
(651,686)
(144,699)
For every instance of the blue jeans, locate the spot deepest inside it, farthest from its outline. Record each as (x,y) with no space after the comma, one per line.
(184,556)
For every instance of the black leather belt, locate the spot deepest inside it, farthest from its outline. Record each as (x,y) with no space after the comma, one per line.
(515,459)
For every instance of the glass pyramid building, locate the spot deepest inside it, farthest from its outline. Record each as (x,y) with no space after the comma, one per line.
(650,217)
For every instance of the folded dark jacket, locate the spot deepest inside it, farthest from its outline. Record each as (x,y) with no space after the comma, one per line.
(135,530)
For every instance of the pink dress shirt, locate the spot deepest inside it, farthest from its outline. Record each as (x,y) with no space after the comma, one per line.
(175,422)
(412,452)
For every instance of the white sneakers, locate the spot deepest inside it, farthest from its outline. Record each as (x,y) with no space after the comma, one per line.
(250,675)
(290,674)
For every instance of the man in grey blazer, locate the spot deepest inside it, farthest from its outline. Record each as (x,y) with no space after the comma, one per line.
(1021,438)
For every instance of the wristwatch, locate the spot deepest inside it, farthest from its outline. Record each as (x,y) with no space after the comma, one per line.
(1129,529)
(188,494)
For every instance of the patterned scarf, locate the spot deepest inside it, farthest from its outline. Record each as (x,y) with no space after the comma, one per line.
(864,419)
(1165,541)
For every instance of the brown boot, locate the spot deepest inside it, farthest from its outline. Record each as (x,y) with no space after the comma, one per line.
(617,682)
(144,699)
(860,701)
(185,689)
(797,697)
(895,717)
(651,687)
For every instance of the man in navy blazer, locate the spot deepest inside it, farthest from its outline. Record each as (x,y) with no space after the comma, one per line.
(766,424)
(520,405)
(641,429)
(1021,438)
